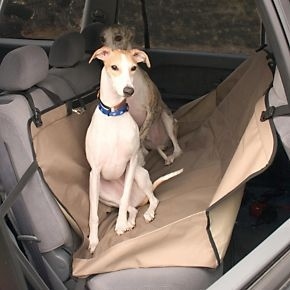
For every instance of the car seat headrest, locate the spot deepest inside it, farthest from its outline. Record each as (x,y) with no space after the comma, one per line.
(67,50)
(23,67)
(91,34)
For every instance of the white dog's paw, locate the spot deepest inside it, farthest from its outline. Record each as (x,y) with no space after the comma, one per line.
(122,227)
(93,242)
(132,216)
(149,215)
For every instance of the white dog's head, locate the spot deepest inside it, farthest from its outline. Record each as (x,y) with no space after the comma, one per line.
(121,66)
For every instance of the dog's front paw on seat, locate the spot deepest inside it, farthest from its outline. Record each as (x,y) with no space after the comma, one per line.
(123,226)
(149,215)
(93,242)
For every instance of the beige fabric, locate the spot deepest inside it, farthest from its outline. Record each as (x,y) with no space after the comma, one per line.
(224,144)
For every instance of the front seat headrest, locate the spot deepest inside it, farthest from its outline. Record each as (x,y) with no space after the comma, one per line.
(67,50)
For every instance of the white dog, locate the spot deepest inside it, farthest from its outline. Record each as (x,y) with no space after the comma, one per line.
(113,147)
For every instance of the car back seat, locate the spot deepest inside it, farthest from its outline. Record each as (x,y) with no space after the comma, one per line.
(25,69)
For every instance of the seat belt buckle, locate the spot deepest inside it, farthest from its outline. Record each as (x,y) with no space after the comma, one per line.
(28,238)
(268,114)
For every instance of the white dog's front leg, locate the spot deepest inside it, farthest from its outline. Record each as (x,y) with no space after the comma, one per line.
(122,224)
(94,203)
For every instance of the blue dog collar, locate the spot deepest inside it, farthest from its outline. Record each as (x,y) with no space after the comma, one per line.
(114,111)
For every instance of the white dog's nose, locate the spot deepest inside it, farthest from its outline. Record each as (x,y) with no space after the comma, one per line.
(128,91)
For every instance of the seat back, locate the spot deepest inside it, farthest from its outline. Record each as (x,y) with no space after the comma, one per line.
(69,63)
(91,34)
(277,97)
(21,70)
(26,70)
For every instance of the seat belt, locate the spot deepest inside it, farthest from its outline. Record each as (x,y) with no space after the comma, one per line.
(14,201)
(273,111)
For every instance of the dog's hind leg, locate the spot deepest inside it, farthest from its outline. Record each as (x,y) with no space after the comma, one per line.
(170,127)
(143,180)
(163,155)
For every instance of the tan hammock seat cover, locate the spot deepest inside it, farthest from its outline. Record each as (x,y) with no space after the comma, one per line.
(224,143)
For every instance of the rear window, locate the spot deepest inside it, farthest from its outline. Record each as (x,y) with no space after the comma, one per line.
(40,19)
(214,25)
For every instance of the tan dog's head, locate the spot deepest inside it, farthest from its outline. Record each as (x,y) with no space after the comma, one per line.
(121,66)
(117,37)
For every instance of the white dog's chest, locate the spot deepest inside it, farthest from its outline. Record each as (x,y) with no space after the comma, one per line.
(111,142)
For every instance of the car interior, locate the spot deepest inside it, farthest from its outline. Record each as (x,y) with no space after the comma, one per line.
(232,195)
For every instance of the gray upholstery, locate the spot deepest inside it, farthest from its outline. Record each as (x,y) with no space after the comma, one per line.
(22,68)
(48,222)
(78,74)
(57,85)
(91,34)
(80,78)
(29,65)
(67,50)
(277,97)
(170,278)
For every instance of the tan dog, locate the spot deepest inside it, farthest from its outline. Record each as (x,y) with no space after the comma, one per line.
(117,177)
(153,117)
(117,36)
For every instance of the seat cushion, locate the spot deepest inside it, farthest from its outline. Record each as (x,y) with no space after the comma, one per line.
(169,278)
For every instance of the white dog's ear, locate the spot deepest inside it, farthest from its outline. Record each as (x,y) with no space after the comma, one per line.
(101,53)
(140,56)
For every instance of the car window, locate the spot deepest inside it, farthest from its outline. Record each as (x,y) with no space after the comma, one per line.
(213,25)
(41,19)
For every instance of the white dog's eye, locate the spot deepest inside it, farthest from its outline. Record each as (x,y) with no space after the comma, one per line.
(114,67)
(133,68)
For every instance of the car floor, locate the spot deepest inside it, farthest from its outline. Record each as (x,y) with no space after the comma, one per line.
(265,206)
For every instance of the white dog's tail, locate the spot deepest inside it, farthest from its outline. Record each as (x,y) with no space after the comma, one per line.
(163,178)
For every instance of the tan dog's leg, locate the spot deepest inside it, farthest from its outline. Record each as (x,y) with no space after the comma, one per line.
(94,193)
(123,224)
(143,180)
(146,127)
(169,124)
